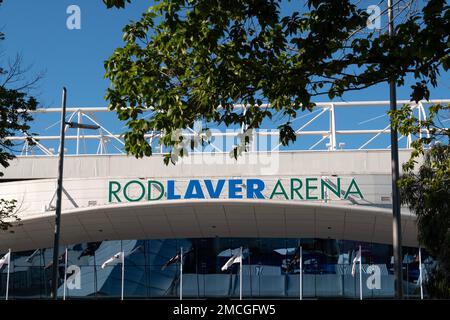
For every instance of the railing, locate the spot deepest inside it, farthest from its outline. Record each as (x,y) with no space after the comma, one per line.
(330,126)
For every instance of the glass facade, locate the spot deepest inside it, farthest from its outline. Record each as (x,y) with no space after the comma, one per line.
(270,269)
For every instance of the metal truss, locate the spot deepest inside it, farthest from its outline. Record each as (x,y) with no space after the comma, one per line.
(110,141)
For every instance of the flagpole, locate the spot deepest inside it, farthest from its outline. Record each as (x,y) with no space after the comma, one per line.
(65,275)
(181,273)
(360,274)
(7,276)
(301,273)
(240,277)
(95,275)
(123,273)
(420,274)
(42,260)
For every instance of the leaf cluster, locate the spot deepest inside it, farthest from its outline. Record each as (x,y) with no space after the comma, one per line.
(195,60)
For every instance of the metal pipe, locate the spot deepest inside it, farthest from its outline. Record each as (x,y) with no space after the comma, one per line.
(332,128)
(78,133)
(214,134)
(318,105)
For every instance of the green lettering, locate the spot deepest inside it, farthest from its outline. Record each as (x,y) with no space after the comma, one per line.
(114,192)
(324,184)
(125,193)
(295,189)
(283,192)
(161,190)
(309,187)
(349,190)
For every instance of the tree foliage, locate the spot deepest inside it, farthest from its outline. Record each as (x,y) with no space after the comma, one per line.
(15,106)
(426,190)
(189,60)
(116,3)
(8,213)
(14,118)
(425,132)
(427,193)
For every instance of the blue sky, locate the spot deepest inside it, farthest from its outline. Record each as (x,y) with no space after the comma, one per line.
(71,58)
(74,58)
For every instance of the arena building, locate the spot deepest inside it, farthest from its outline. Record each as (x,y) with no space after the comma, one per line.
(272,202)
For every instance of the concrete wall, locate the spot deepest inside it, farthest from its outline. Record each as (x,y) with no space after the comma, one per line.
(351,162)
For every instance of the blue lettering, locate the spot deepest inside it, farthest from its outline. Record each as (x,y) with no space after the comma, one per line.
(194,190)
(214,193)
(171,191)
(234,186)
(255,188)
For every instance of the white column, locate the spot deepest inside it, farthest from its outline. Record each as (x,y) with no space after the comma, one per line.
(301,273)
(7,276)
(65,275)
(360,274)
(420,274)
(240,277)
(332,128)
(78,133)
(123,273)
(181,273)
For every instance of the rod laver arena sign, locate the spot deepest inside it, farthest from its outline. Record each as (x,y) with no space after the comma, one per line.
(308,188)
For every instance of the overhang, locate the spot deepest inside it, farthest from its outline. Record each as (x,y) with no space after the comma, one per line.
(206,218)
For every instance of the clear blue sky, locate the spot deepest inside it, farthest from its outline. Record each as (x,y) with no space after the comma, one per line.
(71,58)
(74,58)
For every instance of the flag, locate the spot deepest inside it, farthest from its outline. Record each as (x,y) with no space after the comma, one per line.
(236,258)
(138,248)
(114,258)
(355,260)
(5,260)
(61,259)
(285,252)
(294,262)
(31,257)
(176,258)
(172,260)
(90,250)
(230,252)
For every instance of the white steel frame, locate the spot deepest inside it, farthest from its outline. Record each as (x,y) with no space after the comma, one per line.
(105,137)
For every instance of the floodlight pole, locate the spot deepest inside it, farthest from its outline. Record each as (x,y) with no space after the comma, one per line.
(59,189)
(58,200)
(396,222)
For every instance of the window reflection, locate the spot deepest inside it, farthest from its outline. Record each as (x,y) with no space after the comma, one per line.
(271,268)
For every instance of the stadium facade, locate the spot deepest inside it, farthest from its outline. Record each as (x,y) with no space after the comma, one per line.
(270,203)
